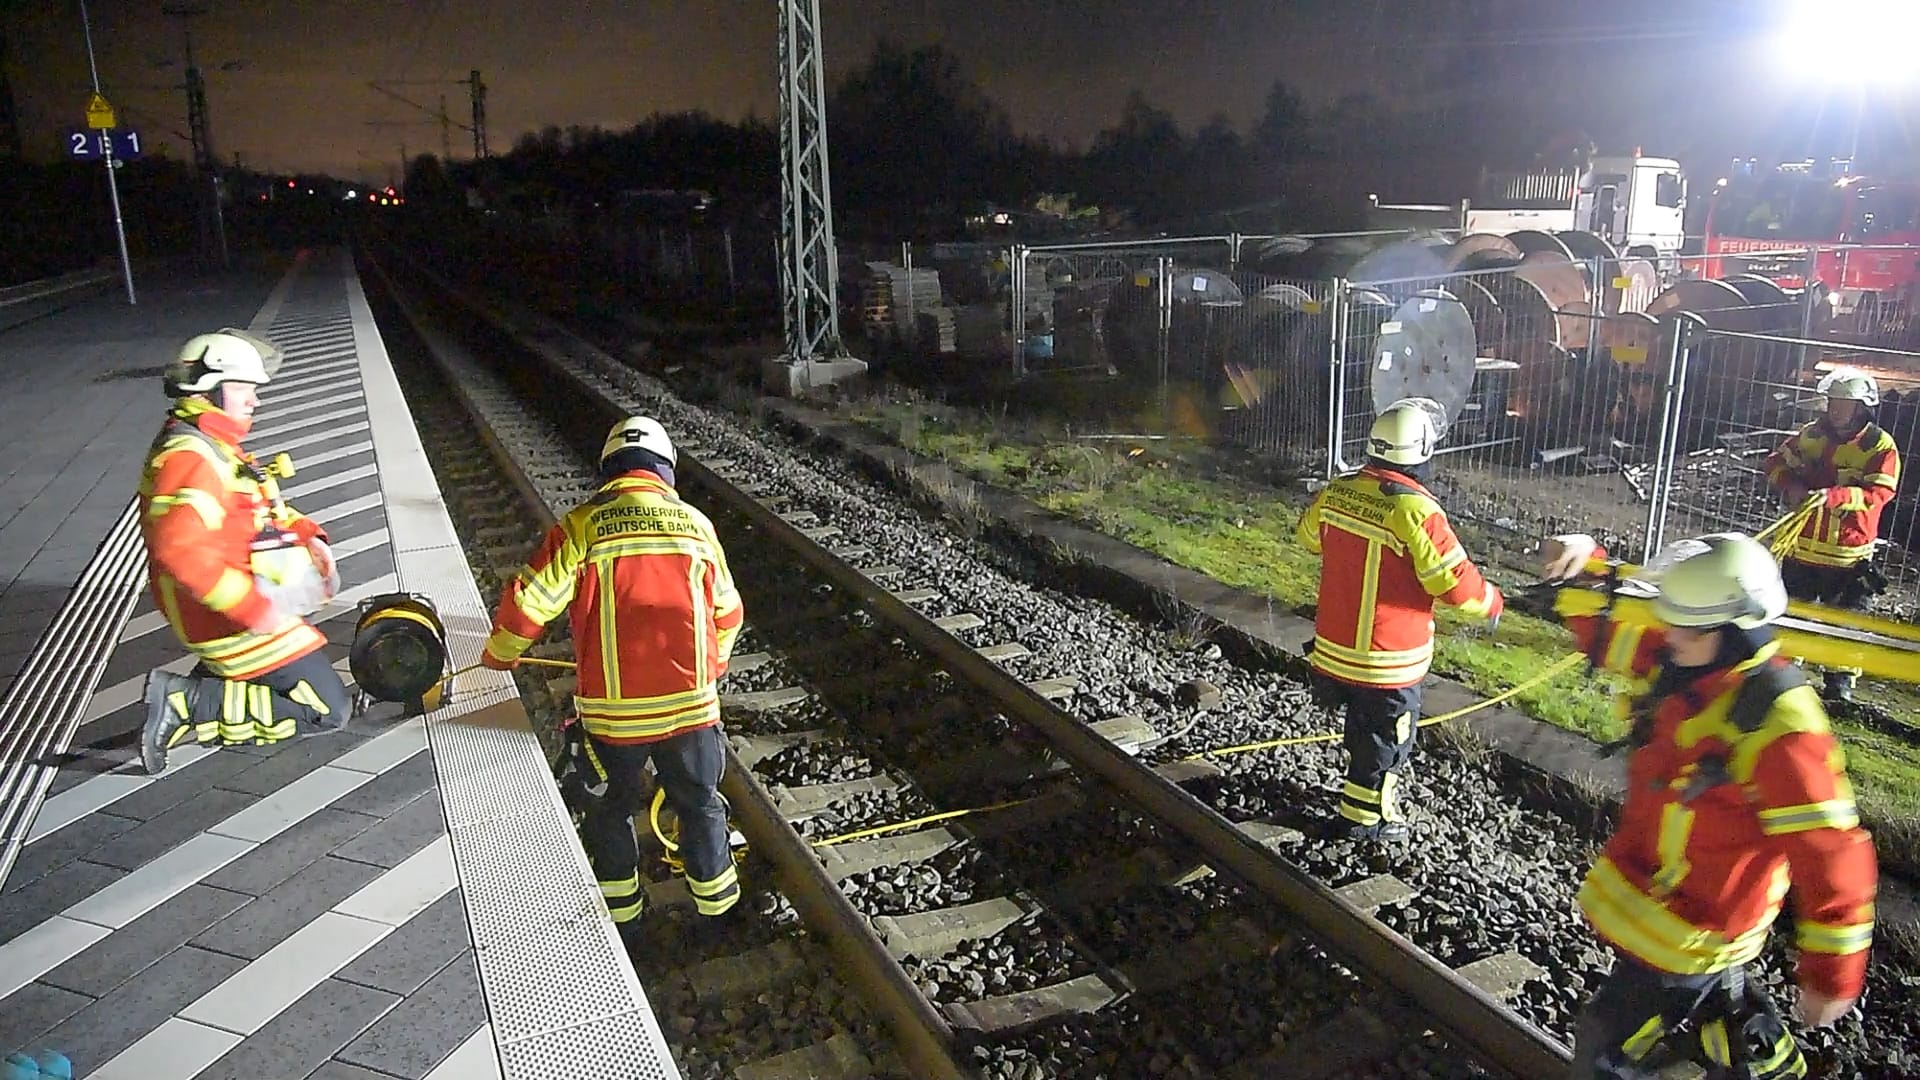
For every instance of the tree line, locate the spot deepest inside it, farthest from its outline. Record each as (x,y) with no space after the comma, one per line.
(916,146)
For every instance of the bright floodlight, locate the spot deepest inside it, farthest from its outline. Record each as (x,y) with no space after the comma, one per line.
(1855,41)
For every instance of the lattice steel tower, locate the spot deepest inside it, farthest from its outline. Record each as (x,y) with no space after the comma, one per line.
(200,131)
(809,267)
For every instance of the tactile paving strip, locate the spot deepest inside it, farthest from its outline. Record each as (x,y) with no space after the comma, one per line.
(563,998)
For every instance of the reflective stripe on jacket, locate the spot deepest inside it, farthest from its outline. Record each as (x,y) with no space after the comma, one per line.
(1720,824)
(652,607)
(1860,475)
(1386,554)
(201,506)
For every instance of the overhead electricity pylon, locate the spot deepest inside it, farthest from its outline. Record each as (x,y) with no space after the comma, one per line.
(809,264)
(477,99)
(200,130)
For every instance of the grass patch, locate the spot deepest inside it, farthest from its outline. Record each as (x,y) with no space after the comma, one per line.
(1172,497)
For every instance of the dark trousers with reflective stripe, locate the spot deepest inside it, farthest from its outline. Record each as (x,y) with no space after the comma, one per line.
(1739,1030)
(688,766)
(1837,586)
(1378,738)
(300,697)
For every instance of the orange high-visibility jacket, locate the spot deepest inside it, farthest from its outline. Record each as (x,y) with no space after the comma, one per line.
(1695,874)
(202,504)
(1386,553)
(653,609)
(1860,476)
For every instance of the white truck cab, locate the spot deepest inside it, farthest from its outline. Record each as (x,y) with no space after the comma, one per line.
(1636,203)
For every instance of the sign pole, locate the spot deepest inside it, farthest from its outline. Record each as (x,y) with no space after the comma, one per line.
(113,186)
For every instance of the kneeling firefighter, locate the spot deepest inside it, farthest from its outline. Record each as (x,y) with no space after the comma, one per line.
(1736,794)
(654,615)
(231,566)
(1387,554)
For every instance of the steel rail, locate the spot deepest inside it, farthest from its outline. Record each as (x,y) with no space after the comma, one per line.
(924,1038)
(1465,1013)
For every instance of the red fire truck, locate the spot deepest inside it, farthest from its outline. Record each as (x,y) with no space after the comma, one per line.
(1865,232)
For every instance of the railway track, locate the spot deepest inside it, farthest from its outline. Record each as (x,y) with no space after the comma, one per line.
(1076,925)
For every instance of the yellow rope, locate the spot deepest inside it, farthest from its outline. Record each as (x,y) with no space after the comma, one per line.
(534,660)
(1558,666)
(881,830)
(1788,528)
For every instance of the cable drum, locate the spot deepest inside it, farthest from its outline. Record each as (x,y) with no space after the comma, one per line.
(1426,350)
(399,650)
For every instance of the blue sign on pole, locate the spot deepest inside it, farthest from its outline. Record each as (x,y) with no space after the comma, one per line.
(86,145)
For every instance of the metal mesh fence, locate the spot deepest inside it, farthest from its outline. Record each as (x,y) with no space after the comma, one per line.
(1633,398)
(1745,394)
(1260,358)
(1546,383)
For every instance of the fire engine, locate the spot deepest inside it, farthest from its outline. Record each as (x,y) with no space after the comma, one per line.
(1863,231)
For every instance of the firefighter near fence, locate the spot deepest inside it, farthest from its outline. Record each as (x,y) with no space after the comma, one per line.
(654,615)
(1387,554)
(1841,470)
(231,566)
(1737,797)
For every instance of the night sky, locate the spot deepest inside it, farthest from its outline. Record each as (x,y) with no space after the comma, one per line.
(1690,77)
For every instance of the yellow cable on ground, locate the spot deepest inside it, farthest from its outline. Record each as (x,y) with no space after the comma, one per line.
(881,830)
(1556,668)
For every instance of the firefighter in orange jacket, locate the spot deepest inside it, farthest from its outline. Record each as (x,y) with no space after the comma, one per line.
(1854,466)
(231,567)
(1386,554)
(1736,793)
(654,616)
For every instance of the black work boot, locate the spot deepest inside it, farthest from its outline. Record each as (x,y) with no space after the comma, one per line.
(169,705)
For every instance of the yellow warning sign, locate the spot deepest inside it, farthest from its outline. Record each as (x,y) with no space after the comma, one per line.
(99,113)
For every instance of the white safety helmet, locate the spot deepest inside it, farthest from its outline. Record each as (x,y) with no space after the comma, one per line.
(224,356)
(1846,384)
(1407,432)
(1732,579)
(643,432)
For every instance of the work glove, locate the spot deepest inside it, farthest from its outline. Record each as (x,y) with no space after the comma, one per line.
(324,562)
(1564,557)
(495,663)
(1496,607)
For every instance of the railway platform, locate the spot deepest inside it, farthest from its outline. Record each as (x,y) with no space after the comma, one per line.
(404,899)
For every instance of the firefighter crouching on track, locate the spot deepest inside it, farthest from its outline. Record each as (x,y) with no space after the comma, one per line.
(1736,793)
(1853,464)
(1386,554)
(218,542)
(654,615)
